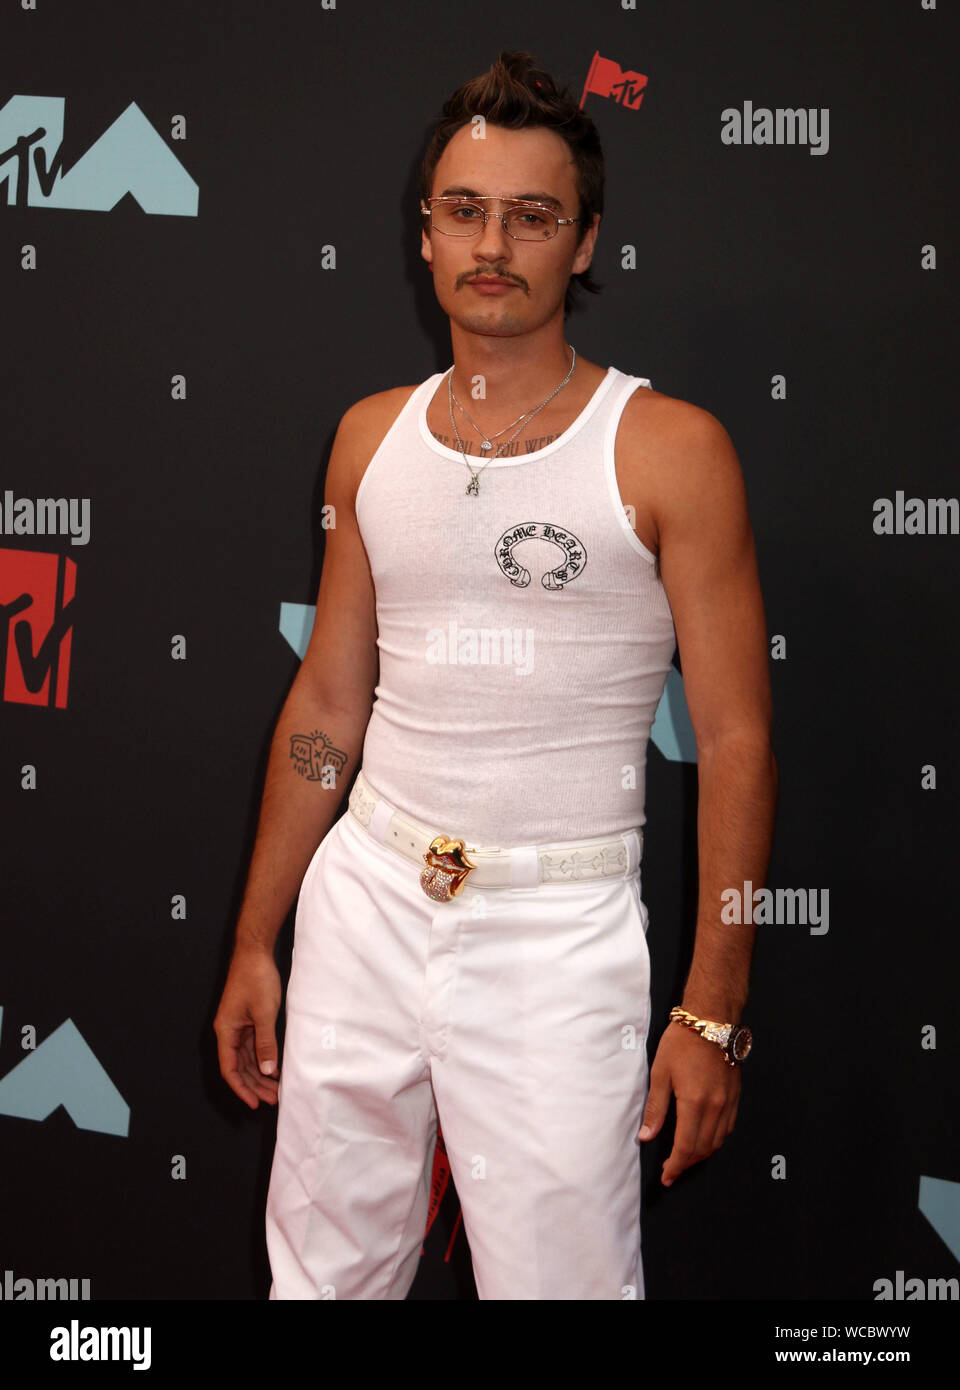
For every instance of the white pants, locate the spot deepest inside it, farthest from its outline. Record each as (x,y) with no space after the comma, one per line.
(520,1017)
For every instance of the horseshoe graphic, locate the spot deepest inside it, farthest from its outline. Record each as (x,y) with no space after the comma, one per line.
(575,555)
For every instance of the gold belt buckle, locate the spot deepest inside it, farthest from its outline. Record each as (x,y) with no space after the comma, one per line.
(447,869)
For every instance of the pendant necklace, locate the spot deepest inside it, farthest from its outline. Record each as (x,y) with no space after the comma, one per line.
(473,487)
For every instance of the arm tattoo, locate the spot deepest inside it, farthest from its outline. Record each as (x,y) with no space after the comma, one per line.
(315,758)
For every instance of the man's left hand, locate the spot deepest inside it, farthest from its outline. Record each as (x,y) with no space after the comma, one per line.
(707,1090)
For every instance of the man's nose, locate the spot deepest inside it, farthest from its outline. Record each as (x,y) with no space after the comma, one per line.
(492,243)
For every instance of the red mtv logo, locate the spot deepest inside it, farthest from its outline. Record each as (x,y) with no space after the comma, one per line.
(608,79)
(36,622)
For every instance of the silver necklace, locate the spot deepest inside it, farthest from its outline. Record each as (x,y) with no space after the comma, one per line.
(487,438)
(473,487)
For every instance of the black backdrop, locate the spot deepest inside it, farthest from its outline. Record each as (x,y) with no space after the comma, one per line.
(185,369)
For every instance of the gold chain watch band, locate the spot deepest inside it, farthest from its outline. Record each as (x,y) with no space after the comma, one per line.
(719,1033)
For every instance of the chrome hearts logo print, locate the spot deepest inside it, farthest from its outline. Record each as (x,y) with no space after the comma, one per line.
(575,556)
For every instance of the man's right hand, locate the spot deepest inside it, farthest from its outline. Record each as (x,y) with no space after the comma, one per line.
(245,1026)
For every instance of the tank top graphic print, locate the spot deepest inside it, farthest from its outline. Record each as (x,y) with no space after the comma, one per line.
(524,635)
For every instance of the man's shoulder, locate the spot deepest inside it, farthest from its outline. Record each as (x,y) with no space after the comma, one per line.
(677,457)
(365,424)
(674,438)
(656,417)
(362,429)
(370,411)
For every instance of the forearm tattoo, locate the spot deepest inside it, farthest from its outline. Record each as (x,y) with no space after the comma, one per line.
(315,758)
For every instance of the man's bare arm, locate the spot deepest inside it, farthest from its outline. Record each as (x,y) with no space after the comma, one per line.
(328,705)
(709,569)
(323,721)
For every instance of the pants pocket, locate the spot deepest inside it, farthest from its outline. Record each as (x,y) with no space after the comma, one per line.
(642,915)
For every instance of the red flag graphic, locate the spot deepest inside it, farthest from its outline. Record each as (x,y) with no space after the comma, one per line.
(608,79)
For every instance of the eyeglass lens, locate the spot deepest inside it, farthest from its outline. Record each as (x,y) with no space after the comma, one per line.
(463,218)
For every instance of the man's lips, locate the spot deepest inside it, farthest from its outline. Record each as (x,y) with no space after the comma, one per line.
(490,284)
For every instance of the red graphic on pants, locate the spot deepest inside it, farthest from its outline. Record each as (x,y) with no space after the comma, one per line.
(608,79)
(37,592)
(438,1187)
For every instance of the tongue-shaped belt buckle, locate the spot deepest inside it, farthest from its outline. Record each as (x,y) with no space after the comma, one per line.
(446,871)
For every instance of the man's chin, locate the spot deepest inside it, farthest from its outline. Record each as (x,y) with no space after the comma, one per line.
(491,324)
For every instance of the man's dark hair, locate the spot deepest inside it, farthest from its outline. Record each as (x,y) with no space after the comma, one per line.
(518,95)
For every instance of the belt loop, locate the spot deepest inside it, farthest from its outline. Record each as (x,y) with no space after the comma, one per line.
(524,867)
(632,841)
(380,819)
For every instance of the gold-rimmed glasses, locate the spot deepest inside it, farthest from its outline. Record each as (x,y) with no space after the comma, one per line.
(459,215)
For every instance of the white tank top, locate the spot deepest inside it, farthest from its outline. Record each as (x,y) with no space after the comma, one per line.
(524,634)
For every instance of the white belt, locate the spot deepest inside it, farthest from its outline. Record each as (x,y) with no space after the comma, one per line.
(449,867)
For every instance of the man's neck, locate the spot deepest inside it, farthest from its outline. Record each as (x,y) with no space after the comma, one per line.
(518,372)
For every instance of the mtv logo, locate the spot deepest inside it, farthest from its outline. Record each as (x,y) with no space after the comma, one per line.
(36,626)
(129,157)
(608,79)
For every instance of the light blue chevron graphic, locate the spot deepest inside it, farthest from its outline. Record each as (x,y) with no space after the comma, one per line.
(296,625)
(129,157)
(64,1071)
(939,1200)
(672,732)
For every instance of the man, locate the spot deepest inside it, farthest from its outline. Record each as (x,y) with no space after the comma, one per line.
(470,941)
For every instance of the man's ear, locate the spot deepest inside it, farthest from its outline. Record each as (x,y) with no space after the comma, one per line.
(425,249)
(585,250)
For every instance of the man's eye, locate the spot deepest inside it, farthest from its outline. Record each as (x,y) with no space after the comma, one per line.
(465,211)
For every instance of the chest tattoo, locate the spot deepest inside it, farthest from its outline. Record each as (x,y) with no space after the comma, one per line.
(519,446)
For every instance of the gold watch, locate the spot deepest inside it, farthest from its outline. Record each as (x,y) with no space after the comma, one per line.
(733,1039)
